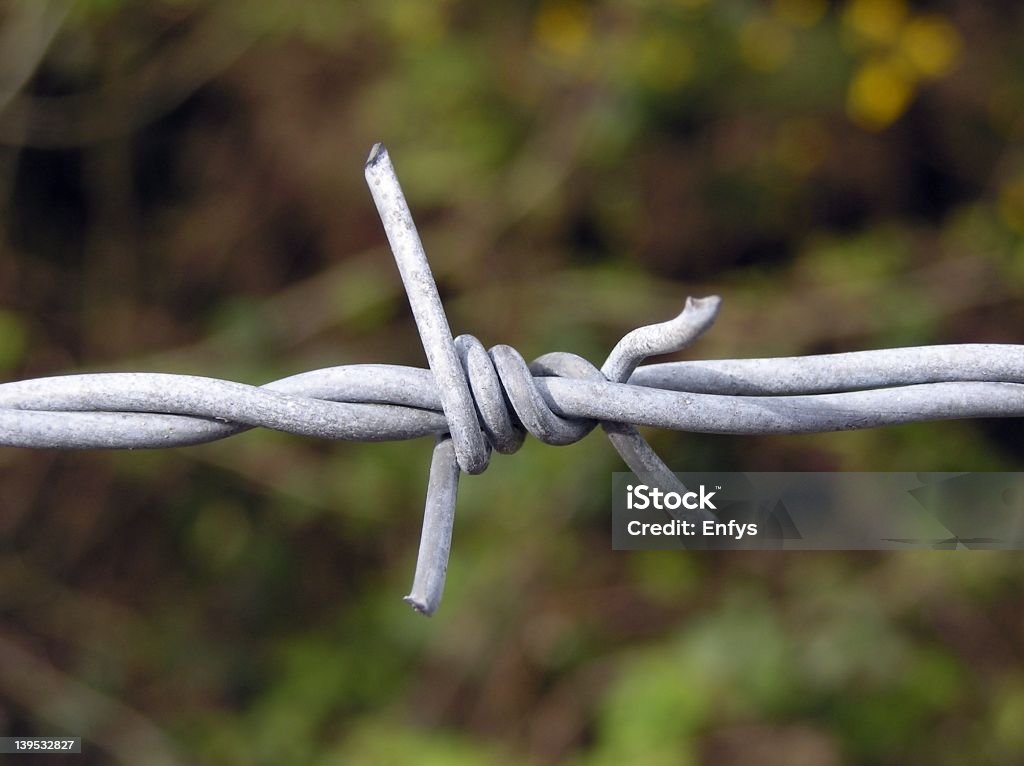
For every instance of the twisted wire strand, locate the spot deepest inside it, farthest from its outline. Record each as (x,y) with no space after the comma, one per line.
(474,399)
(379,402)
(830,373)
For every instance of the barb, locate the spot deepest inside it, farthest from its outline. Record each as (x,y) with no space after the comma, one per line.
(457,402)
(473,399)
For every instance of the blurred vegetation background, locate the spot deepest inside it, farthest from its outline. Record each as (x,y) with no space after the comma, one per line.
(182,192)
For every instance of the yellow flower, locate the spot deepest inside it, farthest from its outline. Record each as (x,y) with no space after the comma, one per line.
(563,26)
(931,44)
(878,21)
(879,93)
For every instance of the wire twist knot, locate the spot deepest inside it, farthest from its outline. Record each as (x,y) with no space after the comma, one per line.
(491,397)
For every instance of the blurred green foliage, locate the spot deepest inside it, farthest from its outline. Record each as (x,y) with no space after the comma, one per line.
(184,193)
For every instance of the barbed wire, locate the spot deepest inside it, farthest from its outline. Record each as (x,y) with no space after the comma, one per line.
(473,399)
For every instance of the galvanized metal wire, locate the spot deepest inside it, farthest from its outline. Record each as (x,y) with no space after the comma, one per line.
(473,399)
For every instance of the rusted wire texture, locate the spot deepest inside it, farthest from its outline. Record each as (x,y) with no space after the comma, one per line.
(473,399)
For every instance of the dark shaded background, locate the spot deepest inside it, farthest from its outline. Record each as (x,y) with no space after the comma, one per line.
(183,192)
